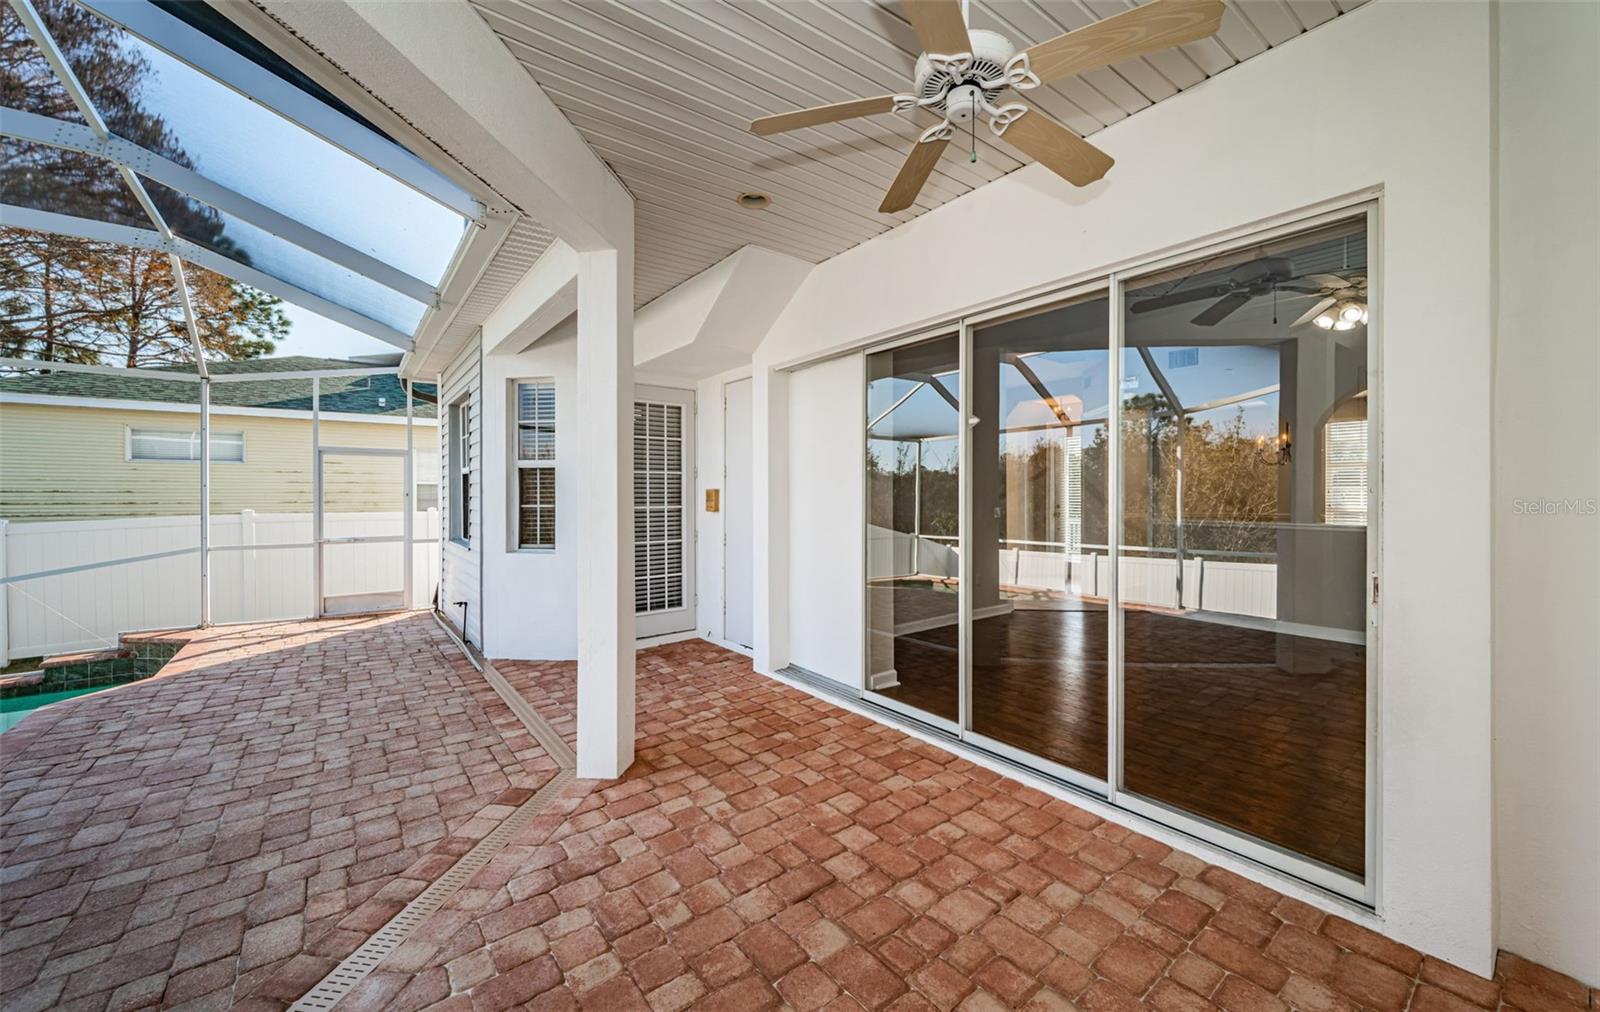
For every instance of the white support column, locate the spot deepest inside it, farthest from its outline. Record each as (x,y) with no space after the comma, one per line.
(769,412)
(205,501)
(604,517)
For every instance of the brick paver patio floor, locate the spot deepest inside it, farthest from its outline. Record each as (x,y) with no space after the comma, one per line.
(767,849)
(275,790)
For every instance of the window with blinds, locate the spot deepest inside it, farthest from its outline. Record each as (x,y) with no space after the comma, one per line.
(459,449)
(178,445)
(1345,472)
(535,423)
(658,509)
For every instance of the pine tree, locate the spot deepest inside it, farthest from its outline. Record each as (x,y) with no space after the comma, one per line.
(69,299)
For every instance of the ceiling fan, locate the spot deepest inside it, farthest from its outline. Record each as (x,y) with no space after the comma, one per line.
(1245,282)
(963,74)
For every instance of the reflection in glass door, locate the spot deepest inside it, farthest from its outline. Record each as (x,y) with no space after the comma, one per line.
(913,537)
(1040,388)
(1244,542)
(1123,539)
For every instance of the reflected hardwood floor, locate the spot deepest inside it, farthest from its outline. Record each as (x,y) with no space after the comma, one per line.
(1213,725)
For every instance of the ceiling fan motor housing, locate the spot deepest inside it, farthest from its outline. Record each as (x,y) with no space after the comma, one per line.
(990,52)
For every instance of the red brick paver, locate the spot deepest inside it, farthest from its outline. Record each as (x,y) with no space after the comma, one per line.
(254,811)
(161,844)
(769,849)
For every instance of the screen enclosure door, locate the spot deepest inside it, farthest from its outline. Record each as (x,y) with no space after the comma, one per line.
(360,530)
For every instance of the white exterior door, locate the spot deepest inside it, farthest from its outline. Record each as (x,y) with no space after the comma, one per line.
(663,492)
(738,524)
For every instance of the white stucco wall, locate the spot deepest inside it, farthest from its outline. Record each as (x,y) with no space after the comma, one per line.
(1546,423)
(827,454)
(530,601)
(1412,83)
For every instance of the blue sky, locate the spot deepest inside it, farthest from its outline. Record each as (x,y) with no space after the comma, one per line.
(311,334)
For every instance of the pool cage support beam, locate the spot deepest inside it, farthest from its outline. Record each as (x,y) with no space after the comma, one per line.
(205,502)
(316,496)
(408,590)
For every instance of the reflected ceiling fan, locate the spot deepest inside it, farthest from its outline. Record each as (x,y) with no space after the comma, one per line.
(1341,301)
(1245,282)
(963,74)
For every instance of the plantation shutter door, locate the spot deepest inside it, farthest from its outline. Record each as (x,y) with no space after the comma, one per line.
(659,521)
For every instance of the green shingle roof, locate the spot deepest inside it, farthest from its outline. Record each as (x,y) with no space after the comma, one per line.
(361,395)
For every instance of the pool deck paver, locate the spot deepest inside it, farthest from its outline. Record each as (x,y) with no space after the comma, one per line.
(223,834)
(274,794)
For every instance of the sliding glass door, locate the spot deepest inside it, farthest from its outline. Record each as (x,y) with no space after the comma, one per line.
(913,529)
(1122,538)
(1038,532)
(1243,554)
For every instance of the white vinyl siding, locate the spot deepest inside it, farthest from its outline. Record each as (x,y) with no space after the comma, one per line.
(459,596)
(1345,472)
(534,462)
(176,445)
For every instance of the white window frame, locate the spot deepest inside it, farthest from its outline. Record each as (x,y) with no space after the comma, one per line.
(516,464)
(1331,513)
(458,421)
(194,441)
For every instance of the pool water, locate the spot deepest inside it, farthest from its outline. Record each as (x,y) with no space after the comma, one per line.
(12,710)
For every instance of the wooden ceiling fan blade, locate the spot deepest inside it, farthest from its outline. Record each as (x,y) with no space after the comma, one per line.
(1330,281)
(1177,298)
(1157,25)
(822,114)
(939,25)
(1057,148)
(914,172)
(1314,311)
(1221,309)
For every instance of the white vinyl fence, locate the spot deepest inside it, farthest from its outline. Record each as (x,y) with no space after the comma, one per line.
(88,609)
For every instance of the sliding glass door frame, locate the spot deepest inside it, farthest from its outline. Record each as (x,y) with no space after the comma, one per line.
(1087,782)
(1363,890)
(956,328)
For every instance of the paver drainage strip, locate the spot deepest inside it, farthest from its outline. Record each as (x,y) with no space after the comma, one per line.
(342,979)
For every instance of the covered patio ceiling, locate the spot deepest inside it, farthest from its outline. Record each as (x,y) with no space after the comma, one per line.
(665,93)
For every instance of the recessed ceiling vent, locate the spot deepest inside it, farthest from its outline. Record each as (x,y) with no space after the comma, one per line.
(753,201)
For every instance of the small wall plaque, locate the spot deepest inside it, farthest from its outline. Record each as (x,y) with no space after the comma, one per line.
(713,500)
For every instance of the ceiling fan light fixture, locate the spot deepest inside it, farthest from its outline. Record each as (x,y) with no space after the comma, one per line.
(1352,312)
(1325,321)
(753,201)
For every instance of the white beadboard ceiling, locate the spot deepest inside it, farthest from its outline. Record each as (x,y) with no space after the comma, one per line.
(664,92)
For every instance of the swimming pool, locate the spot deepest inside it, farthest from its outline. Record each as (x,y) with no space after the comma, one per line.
(12,710)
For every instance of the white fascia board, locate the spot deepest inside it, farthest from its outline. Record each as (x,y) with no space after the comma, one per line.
(545,296)
(473,256)
(441,67)
(105,404)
